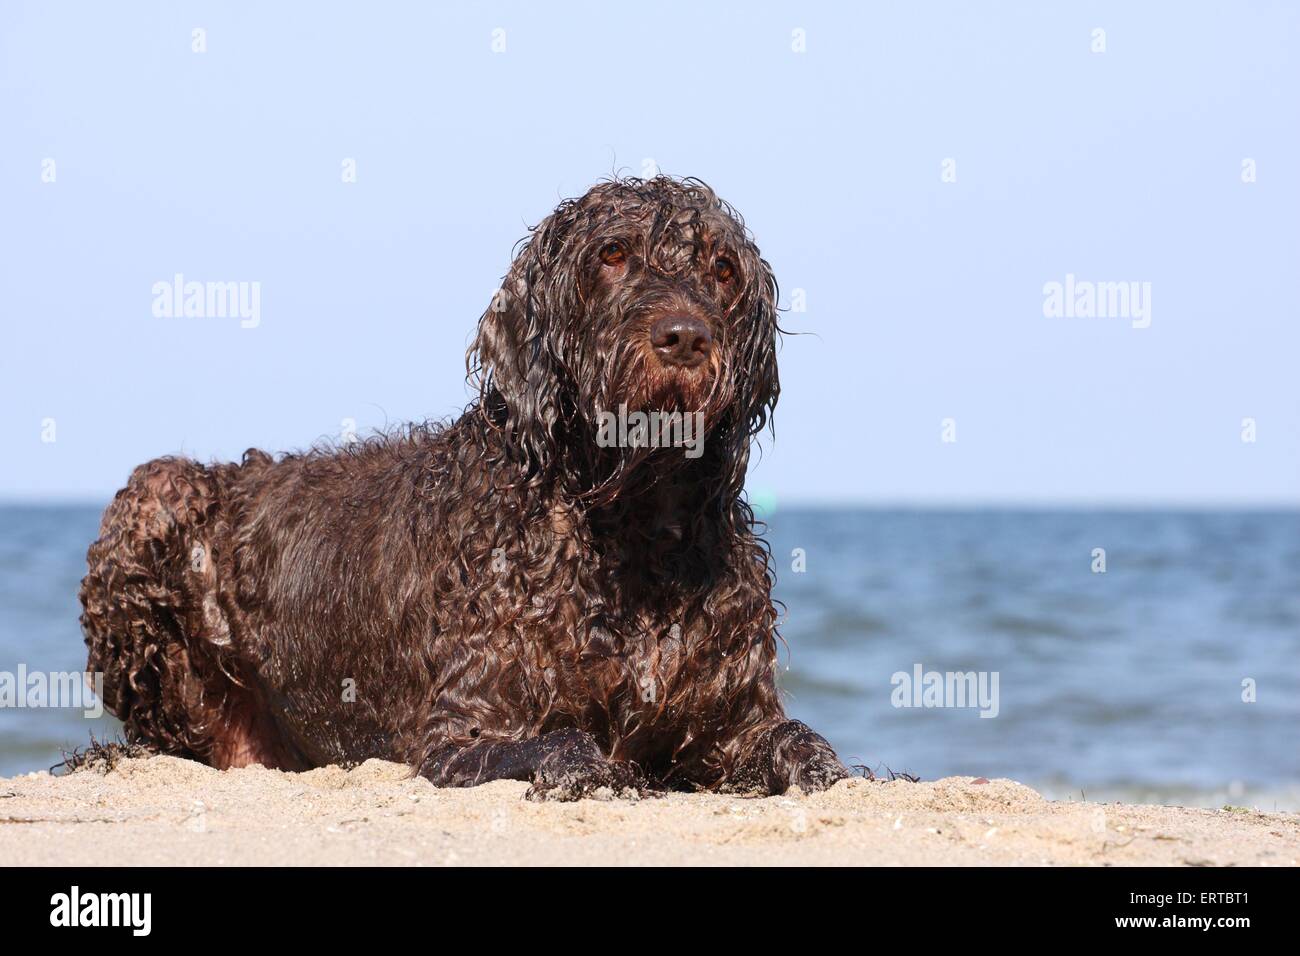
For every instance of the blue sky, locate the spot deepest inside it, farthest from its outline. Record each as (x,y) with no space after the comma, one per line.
(924,298)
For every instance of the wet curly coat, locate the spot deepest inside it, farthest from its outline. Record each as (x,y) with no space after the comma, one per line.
(503,596)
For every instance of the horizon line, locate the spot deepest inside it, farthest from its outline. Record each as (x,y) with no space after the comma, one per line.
(763,503)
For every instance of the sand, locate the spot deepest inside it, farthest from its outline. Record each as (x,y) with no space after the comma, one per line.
(161,810)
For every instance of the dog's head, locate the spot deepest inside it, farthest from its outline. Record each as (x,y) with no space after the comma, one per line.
(641,296)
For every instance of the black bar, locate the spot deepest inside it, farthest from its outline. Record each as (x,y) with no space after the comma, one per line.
(332,905)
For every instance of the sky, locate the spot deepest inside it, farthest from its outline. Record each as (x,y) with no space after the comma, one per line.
(918,174)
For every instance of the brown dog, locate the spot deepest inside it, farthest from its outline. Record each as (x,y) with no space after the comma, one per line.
(523,594)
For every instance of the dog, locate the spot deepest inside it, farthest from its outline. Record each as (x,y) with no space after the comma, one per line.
(506,596)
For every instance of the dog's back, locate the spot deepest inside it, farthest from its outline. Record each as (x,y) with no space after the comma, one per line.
(272,611)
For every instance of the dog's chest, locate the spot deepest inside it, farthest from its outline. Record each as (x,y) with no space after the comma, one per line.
(631,645)
(647,676)
(642,661)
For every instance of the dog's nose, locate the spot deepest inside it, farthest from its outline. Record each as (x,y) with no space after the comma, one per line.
(681,340)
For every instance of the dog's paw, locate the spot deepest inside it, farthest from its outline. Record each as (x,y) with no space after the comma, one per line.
(818,773)
(575,769)
(802,758)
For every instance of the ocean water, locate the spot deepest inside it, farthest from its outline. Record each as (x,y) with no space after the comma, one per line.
(1127,684)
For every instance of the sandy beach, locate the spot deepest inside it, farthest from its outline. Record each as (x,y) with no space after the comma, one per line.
(165,811)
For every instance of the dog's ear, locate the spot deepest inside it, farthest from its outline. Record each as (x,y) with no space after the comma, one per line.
(513,360)
(755,383)
(758,386)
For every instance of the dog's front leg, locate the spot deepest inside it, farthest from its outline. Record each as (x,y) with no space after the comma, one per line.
(784,754)
(561,765)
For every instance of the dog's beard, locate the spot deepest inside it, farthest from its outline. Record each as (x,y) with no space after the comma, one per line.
(649,420)
(642,382)
(666,389)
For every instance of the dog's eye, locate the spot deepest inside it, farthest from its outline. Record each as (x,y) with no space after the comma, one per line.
(723,270)
(613,254)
